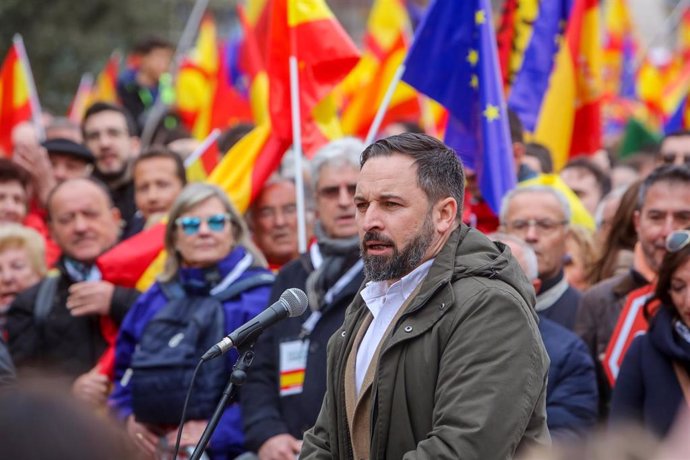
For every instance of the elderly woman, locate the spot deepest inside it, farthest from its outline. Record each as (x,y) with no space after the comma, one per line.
(214,281)
(654,383)
(22,263)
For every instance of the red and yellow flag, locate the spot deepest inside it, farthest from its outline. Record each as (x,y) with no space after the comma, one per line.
(204,159)
(246,166)
(81,99)
(105,89)
(205,98)
(297,28)
(570,118)
(386,43)
(15,105)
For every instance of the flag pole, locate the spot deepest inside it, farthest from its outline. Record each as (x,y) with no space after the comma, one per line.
(297,152)
(376,124)
(205,144)
(33,93)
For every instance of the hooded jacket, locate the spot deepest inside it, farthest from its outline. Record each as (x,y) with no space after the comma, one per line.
(463,372)
(647,390)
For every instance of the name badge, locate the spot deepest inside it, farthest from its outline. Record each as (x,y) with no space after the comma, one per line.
(293,364)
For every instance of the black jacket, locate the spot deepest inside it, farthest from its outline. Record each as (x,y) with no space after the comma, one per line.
(265,412)
(64,343)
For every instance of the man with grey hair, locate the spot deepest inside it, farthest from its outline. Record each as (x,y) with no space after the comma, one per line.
(571,392)
(540,215)
(283,393)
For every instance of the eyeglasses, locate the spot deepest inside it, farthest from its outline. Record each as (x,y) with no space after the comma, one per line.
(543,225)
(332,192)
(677,240)
(191,225)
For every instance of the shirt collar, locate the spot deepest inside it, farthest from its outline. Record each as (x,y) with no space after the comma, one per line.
(375,290)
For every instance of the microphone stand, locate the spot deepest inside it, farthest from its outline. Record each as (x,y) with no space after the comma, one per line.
(237,379)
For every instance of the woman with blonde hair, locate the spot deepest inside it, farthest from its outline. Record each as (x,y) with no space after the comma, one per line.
(214,281)
(22,263)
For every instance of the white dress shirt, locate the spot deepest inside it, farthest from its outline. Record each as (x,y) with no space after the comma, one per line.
(383,302)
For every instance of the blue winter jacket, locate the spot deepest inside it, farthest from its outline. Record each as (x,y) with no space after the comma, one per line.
(571,392)
(228,440)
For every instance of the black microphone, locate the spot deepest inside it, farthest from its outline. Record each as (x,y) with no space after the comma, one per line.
(293,302)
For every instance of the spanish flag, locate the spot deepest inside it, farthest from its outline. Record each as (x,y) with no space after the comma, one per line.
(248,164)
(204,159)
(570,117)
(105,89)
(308,30)
(205,97)
(81,99)
(15,105)
(386,42)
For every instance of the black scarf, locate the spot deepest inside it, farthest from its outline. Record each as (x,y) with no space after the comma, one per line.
(339,254)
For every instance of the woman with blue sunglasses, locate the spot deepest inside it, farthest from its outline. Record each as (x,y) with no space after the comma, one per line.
(654,379)
(214,281)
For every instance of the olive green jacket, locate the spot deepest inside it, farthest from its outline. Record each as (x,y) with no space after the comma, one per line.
(463,373)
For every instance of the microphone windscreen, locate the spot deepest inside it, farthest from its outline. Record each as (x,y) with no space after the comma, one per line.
(296,301)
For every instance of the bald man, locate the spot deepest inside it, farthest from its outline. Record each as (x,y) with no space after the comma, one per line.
(62,334)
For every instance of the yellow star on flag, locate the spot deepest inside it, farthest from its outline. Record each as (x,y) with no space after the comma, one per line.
(474,81)
(473,57)
(480,17)
(492,112)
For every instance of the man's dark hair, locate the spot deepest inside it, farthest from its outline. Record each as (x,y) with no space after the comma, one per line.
(149,44)
(541,153)
(666,173)
(158,151)
(67,183)
(602,179)
(439,171)
(99,107)
(516,128)
(232,136)
(12,172)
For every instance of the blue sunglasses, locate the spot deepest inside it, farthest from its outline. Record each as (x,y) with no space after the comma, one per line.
(190,225)
(677,240)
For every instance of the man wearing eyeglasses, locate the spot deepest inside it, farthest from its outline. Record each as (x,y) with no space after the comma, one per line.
(540,216)
(283,393)
(663,206)
(675,149)
(59,329)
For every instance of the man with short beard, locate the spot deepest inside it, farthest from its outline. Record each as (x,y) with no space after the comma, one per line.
(439,355)
(111,134)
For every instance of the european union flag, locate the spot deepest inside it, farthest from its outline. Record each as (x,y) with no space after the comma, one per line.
(453,59)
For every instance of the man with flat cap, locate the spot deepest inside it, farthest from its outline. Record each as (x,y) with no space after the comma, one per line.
(69,160)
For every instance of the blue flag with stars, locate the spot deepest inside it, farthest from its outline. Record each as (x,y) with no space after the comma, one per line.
(453,59)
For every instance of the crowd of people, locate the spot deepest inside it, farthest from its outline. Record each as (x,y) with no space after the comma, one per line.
(453,330)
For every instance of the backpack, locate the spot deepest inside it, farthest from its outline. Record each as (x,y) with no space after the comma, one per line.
(170,348)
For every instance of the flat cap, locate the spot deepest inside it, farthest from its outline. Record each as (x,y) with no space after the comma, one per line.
(69,147)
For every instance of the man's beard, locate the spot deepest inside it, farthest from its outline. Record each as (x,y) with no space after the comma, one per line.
(400,263)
